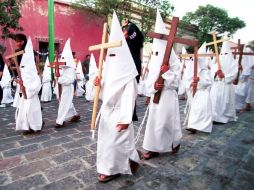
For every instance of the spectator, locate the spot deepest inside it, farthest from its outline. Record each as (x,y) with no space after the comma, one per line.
(85,66)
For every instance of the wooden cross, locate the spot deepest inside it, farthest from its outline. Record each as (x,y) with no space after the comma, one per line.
(56,66)
(102,47)
(215,42)
(170,40)
(236,48)
(240,52)
(14,58)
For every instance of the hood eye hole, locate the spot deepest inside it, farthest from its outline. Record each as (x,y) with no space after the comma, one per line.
(156,53)
(112,55)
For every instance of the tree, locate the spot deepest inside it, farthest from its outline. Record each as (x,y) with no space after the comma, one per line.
(9,18)
(146,9)
(209,18)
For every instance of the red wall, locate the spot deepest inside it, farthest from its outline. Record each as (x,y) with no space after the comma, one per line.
(82,27)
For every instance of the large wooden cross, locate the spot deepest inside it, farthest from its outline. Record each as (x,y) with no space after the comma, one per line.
(56,66)
(215,42)
(102,47)
(14,58)
(240,52)
(171,39)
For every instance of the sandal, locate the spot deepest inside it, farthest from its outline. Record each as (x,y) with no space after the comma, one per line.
(134,167)
(106,178)
(193,131)
(149,155)
(175,149)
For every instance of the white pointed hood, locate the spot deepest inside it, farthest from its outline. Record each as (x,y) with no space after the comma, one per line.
(184,50)
(67,55)
(6,77)
(27,66)
(46,76)
(158,51)
(228,64)
(119,65)
(92,68)
(79,71)
(202,61)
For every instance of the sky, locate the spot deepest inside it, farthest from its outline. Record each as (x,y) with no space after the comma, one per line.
(235,8)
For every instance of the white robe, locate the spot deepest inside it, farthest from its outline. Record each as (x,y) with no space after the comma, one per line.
(7,97)
(6,86)
(181,88)
(66,108)
(28,113)
(250,89)
(163,128)
(200,116)
(115,149)
(80,80)
(222,91)
(46,93)
(79,88)
(16,96)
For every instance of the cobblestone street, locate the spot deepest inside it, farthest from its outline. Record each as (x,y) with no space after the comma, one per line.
(65,158)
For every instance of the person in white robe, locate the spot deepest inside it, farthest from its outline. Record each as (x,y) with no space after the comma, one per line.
(93,70)
(116,153)
(66,109)
(181,88)
(80,80)
(222,91)
(243,87)
(163,129)
(46,93)
(250,88)
(200,116)
(16,95)
(142,91)
(6,86)
(28,112)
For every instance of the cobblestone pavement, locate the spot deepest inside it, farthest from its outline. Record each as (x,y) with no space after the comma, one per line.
(65,158)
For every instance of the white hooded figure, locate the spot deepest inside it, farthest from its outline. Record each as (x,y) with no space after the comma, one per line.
(163,129)
(46,93)
(141,86)
(66,110)
(222,92)
(200,116)
(115,150)
(250,82)
(16,96)
(93,70)
(242,89)
(80,80)
(6,86)
(181,89)
(187,80)
(28,113)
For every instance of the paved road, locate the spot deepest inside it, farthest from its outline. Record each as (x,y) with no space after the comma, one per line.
(64,158)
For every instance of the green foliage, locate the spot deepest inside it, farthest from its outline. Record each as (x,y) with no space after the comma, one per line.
(209,18)
(124,8)
(9,16)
